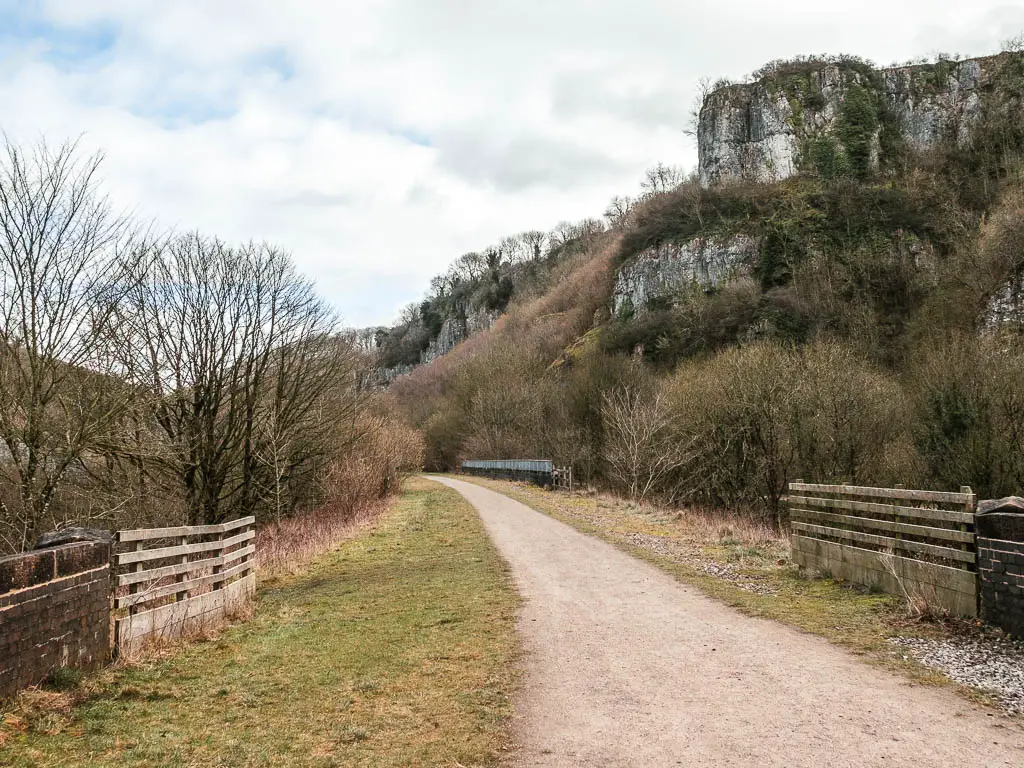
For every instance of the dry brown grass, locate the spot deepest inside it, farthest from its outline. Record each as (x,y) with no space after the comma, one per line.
(288,546)
(545,324)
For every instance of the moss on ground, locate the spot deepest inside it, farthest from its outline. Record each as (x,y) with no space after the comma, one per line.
(397,649)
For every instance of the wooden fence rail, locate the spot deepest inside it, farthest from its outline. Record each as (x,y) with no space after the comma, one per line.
(920,544)
(174,580)
(561,478)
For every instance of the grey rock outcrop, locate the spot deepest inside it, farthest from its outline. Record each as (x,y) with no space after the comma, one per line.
(457,329)
(758,132)
(948,109)
(1005,309)
(753,132)
(663,272)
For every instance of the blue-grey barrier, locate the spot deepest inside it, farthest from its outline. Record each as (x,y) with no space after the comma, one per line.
(539,471)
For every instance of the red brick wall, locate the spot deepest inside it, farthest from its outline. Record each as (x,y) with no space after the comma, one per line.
(54,612)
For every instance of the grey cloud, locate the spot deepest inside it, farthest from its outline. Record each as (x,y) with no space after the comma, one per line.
(525,161)
(588,93)
(421,194)
(316,198)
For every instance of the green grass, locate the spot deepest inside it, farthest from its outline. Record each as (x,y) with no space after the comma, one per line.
(398,649)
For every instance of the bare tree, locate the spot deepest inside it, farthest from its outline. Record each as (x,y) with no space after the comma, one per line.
(62,272)
(535,242)
(514,250)
(237,351)
(642,448)
(1014,44)
(618,211)
(469,266)
(662,178)
(704,87)
(566,232)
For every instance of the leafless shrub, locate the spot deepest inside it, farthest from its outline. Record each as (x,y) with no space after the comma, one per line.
(969,413)
(919,597)
(762,414)
(374,465)
(642,449)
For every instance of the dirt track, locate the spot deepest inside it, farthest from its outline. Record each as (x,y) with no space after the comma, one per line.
(627,667)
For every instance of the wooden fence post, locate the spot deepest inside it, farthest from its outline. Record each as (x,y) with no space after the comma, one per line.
(183,595)
(134,588)
(219,552)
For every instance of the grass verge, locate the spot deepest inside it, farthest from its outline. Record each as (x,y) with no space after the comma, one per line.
(748,567)
(397,649)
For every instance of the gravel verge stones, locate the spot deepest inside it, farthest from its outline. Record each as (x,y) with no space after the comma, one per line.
(991,662)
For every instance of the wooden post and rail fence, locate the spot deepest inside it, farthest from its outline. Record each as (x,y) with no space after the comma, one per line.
(169,581)
(920,544)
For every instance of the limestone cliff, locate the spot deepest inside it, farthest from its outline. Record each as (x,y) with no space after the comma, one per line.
(457,329)
(661,273)
(801,118)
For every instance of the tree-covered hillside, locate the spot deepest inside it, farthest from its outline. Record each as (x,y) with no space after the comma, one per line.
(852,315)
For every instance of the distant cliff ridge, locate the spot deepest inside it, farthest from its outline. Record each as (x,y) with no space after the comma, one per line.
(892,171)
(829,116)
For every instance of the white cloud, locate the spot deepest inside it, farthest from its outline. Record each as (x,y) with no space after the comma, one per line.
(378,140)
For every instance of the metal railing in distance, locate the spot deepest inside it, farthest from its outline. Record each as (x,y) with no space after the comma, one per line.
(539,471)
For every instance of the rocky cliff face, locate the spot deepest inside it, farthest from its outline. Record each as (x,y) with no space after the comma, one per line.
(771,129)
(660,274)
(1005,309)
(457,329)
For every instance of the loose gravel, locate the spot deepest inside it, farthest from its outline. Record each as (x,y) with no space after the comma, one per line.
(726,572)
(990,662)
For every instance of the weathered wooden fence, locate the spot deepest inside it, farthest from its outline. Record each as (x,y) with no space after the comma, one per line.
(174,580)
(561,478)
(916,543)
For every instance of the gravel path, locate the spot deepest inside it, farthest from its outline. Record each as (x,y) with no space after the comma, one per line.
(627,667)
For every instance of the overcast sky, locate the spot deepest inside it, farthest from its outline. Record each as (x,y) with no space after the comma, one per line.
(380,139)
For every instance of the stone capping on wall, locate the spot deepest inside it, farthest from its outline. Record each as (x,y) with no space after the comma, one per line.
(1000,528)
(40,566)
(54,612)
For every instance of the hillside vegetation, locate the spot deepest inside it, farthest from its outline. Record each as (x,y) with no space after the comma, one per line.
(870,336)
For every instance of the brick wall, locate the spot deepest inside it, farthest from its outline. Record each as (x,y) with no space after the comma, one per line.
(1001,564)
(54,612)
